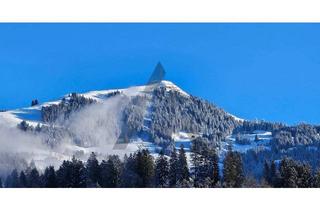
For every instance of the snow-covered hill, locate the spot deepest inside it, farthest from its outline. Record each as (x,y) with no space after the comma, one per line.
(92,126)
(32,115)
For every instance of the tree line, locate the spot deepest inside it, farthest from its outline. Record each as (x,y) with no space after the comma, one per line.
(141,170)
(138,170)
(290,174)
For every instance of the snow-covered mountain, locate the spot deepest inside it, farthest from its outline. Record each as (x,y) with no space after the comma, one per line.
(32,114)
(157,116)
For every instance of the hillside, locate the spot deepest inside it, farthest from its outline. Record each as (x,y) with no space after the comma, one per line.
(158,116)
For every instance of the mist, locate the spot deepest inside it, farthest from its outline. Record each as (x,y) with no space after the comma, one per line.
(98,124)
(18,149)
(95,128)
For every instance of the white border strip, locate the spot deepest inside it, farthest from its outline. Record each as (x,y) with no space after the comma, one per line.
(159,11)
(162,199)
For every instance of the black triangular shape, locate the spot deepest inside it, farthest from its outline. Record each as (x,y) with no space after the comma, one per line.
(157,75)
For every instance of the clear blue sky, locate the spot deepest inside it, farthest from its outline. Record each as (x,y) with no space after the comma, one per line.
(264,71)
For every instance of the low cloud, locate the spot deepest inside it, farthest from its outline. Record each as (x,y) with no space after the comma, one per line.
(98,125)
(95,128)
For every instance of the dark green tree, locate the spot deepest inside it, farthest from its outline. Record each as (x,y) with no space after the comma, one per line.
(162,171)
(110,172)
(78,174)
(145,167)
(93,170)
(173,169)
(64,174)
(12,180)
(33,179)
(34,102)
(183,169)
(266,172)
(214,167)
(23,180)
(288,173)
(23,125)
(129,176)
(205,164)
(316,180)
(271,174)
(274,175)
(233,175)
(305,178)
(50,179)
(198,169)
(71,174)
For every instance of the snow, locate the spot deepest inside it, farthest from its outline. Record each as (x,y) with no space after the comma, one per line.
(50,103)
(263,142)
(181,136)
(172,87)
(12,118)
(236,118)
(183,139)
(262,133)
(33,116)
(98,95)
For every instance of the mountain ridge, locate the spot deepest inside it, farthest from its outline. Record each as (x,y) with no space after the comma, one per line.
(158,117)
(32,116)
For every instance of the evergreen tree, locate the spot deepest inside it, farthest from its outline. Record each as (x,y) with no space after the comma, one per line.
(198,169)
(200,163)
(12,180)
(293,174)
(34,102)
(233,170)
(64,174)
(288,173)
(305,179)
(266,172)
(182,170)
(162,171)
(129,176)
(145,167)
(38,128)
(316,181)
(78,174)
(23,180)
(173,170)
(23,125)
(110,172)
(33,179)
(270,174)
(50,179)
(93,169)
(71,174)
(215,168)
(205,164)
(1,185)
(274,177)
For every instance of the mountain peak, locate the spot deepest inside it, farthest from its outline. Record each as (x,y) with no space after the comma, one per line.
(171,86)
